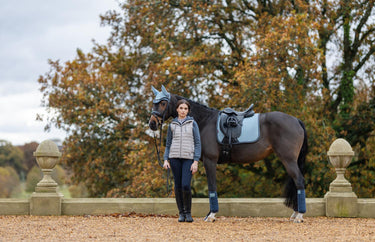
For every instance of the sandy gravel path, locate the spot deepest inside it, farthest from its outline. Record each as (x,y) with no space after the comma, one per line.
(132,227)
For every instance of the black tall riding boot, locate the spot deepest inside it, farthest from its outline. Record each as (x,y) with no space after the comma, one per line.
(187,206)
(180,205)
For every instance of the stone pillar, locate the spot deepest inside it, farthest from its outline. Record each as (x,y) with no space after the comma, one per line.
(341,201)
(46,200)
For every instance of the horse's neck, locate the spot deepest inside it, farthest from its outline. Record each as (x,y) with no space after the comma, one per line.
(201,113)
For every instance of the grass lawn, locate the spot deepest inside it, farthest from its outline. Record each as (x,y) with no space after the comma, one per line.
(21,193)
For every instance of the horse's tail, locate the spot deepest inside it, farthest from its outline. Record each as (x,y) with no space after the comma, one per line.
(290,191)
(304,149)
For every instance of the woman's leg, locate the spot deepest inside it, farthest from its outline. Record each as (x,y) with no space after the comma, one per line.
(186,188)
(176,166)
(186,174)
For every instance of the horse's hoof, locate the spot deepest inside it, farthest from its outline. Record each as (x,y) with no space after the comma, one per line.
(210,218)
(294,215)
(298,218)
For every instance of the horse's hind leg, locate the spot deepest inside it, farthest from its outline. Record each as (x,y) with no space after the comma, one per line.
(288,139)
(210,167)
(298,202)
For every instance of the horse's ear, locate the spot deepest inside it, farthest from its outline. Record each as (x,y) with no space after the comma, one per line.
(164,91)
(154,90)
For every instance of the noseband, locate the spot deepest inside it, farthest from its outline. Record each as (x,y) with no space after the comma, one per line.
(159,117)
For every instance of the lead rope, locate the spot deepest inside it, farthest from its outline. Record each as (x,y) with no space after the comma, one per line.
(159,160)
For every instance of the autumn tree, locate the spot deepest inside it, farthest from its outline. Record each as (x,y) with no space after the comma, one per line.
(28,151)
(97,104)
(347,34)
(279,55)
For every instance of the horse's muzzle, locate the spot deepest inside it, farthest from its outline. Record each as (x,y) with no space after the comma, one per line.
(153,123)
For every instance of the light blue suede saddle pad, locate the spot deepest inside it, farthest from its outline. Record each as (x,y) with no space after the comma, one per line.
(249,133)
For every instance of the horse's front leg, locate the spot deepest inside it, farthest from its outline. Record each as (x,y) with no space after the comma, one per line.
(210,167)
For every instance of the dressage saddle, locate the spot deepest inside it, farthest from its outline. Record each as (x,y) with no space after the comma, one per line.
(248,113)
(231,124)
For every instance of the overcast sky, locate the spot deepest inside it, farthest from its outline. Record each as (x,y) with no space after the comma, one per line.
(31,32)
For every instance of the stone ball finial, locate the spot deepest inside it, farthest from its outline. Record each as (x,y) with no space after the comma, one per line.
(341,201)
(47,154)
(340,153)
(340,147)
(47,148)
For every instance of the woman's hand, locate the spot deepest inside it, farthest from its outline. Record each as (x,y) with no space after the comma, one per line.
(166,165)
(194,167)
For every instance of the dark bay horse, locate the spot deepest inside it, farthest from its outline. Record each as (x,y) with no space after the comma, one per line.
(280,133)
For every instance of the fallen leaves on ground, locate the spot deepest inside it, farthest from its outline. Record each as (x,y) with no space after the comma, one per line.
(141,227)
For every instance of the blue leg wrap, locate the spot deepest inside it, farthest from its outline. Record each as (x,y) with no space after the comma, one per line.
(301,199)
(214,204)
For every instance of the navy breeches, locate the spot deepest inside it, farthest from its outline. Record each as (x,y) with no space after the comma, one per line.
(181,173)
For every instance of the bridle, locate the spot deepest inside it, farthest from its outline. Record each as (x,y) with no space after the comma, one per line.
(160,117)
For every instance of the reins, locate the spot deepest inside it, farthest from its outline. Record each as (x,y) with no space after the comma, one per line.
(157,147)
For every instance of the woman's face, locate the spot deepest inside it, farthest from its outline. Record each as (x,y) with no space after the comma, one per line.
(182,111)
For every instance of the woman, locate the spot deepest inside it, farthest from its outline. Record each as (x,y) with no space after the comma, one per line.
(183,149)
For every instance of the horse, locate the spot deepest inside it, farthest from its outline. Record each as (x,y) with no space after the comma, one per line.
(279,133)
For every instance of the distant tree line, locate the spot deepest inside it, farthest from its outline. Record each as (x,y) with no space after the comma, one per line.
(20,173)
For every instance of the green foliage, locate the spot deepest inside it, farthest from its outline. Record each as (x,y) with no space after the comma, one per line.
(248,181)
(33,177)
(59,175)
(11,156)
(9,182)
(223,53)
(77,191)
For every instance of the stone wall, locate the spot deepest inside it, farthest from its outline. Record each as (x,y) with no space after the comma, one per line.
(340,201)
(239,207)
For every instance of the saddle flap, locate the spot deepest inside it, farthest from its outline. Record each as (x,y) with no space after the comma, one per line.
(231,126)
(241,130)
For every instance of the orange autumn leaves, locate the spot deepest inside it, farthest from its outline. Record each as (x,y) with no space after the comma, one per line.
(223,54)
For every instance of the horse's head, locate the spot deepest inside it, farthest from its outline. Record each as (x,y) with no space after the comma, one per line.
(160,108)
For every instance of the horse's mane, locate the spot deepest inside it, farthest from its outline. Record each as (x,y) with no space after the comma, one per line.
(194,103)
(200,112)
